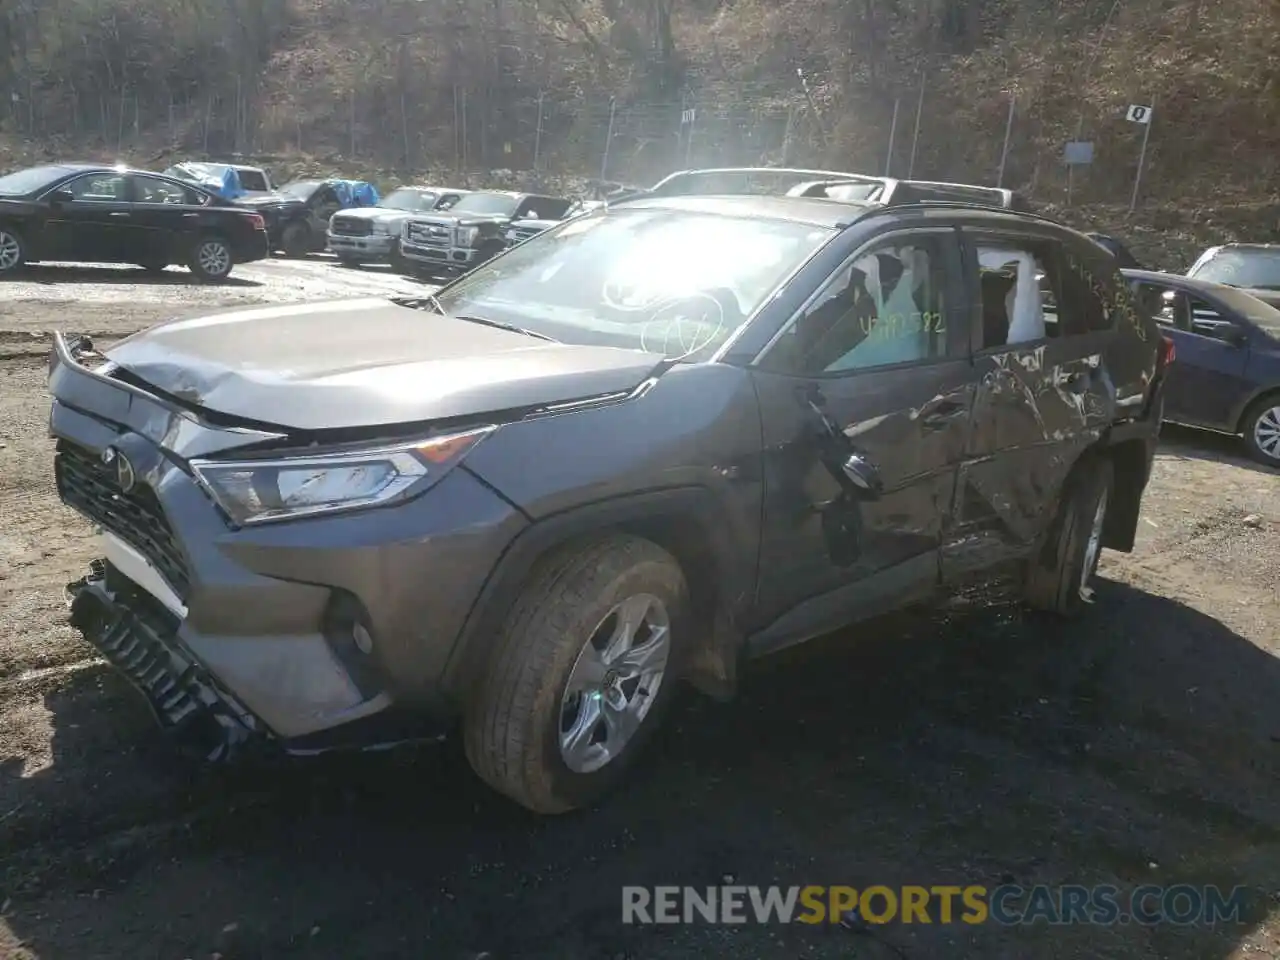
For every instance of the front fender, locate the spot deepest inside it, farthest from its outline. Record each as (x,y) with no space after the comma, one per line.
(662,515)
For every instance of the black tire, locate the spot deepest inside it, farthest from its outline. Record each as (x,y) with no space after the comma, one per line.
(398,263)
(296,240)
(348,261)
(1059,575)
(207,266)
(13,250)
(512,724)
(1261,426)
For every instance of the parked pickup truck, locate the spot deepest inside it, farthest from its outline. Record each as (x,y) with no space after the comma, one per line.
(472,231)
(372,234)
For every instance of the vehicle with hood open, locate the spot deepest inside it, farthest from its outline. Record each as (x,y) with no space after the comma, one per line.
(472,231)
(372,234)
(635,449)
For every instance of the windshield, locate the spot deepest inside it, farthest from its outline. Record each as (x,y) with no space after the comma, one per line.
(27,181)
(1259,269)
(488,203)
(301,189)
(673,282)
(415,201)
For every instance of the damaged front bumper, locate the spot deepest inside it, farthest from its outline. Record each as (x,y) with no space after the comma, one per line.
(139,637)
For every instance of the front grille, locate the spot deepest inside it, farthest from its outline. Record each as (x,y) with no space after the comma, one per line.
(428,234)
(351,226)
(89,486)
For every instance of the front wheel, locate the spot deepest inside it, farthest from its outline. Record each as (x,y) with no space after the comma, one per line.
(1060,576)
(1262,431)
(211,261)
(581,674)
(13,251)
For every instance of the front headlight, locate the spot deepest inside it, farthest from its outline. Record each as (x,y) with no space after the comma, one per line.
(258,491)
(466,236)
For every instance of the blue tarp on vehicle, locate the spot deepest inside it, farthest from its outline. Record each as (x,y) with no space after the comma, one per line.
(355,193)
(215,177)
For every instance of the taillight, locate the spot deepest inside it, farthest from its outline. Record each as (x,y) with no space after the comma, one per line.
(256,221)
(1168,353)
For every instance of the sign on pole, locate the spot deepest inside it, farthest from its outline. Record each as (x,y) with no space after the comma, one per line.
(688,116)
(1078,153)
(1138,113)
(1142,115)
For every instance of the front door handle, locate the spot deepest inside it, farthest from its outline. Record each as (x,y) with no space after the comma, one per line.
(118,213)
(864,475)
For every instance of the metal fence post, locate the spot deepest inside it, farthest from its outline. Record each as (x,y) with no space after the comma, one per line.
(537,136)
(1008,130)
(893,132)
(915,137)
(1142,156)
(608,140)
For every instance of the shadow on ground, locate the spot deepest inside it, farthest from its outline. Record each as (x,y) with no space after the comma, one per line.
(98,275)
(1140,745)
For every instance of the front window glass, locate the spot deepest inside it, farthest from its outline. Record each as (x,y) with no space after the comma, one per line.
(1258,269)
(673,282)
(499,204)
(415,201)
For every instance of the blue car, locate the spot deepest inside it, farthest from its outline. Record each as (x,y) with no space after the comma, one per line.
(1227,375)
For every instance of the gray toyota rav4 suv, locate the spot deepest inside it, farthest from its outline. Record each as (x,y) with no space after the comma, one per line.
(634,450)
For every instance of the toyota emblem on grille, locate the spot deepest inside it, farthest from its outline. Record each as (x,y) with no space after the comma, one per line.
(125,476)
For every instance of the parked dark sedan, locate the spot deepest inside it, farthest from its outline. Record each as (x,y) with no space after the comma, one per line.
(93,214)
(1227,377)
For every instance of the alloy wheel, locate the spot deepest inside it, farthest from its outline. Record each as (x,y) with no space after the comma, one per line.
(1093,548)
(1266,432)
(10,251)
(614,683)
(214,258)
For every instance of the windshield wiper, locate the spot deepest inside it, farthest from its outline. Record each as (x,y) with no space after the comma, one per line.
(432,301)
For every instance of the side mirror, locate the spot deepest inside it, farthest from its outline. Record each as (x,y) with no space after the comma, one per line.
(863,474)
(62,196)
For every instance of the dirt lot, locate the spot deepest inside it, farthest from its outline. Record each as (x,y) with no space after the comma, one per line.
(1141,745)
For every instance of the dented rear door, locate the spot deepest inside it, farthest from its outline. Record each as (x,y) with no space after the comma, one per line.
(1044,389)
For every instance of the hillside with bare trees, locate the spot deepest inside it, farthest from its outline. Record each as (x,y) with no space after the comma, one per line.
(927,86)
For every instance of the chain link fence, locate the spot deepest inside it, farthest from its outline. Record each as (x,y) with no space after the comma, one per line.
(1000,142)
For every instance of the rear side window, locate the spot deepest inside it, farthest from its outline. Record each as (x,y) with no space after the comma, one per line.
(1086,284)
(253,180)
(1019,291)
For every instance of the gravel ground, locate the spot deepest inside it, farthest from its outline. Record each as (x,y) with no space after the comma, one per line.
(1140,745)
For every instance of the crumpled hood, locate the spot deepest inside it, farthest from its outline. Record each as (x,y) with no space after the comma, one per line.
(366,363)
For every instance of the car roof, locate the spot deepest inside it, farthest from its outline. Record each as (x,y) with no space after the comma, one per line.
(1246,246)
(818,212)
